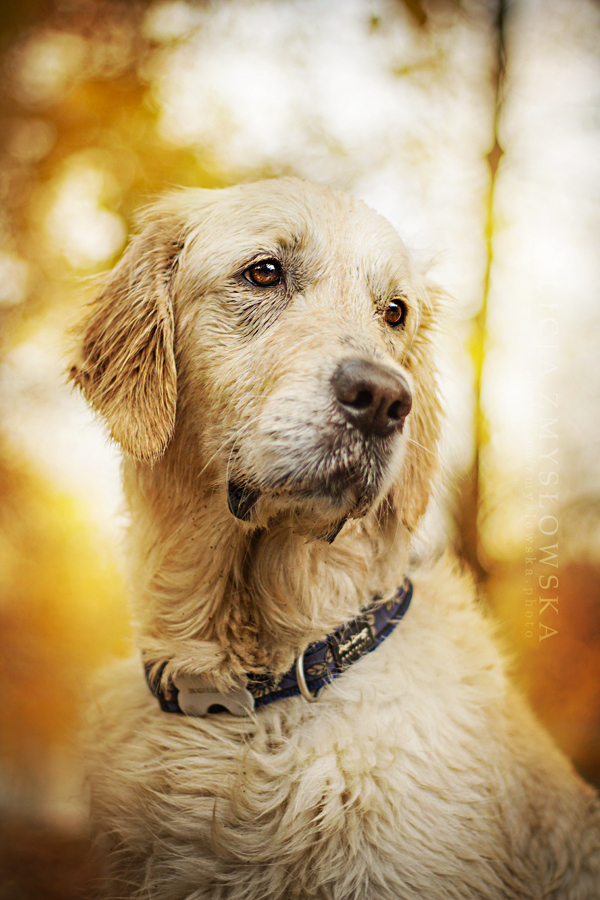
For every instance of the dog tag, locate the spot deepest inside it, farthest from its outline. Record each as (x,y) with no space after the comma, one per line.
(196,697)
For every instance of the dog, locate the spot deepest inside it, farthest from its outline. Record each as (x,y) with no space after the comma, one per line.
(306,717)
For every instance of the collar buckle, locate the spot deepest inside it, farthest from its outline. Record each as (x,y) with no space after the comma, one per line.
(301,681)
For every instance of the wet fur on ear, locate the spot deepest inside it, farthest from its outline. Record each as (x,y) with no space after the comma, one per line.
(411,494)
(126,361)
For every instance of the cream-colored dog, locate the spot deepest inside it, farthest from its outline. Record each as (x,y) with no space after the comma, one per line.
(302,722)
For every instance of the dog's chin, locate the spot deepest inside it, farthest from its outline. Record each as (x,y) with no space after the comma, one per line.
(315,511)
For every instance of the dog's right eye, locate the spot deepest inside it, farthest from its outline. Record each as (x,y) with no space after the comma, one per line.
(265,273)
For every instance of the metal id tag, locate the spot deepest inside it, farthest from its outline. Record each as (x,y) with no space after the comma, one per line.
(196,696)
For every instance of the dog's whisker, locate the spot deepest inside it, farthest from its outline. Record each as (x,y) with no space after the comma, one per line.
(221,449)
(432,453)
(448,470)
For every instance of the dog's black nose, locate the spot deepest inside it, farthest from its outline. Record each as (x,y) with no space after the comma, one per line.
(373,398)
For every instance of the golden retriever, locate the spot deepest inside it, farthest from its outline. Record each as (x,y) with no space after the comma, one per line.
(302,721)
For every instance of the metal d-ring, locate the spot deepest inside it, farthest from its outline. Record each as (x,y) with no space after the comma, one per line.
(301,679)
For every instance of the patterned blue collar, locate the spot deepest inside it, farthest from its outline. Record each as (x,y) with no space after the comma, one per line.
(320,664)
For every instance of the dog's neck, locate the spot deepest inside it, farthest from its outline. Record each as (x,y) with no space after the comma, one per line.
(213,595)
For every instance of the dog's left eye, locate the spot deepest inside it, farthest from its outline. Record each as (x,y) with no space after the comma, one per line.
(395,313)
(265,273)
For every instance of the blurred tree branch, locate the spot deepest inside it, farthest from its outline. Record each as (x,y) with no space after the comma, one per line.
(468,509)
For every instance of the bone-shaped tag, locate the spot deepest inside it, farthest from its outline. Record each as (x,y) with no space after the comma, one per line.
(196,696)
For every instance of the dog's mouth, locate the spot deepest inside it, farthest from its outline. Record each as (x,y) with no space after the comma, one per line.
(325,503)
(241,499)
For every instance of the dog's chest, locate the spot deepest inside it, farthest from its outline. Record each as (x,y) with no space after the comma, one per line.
(386,778)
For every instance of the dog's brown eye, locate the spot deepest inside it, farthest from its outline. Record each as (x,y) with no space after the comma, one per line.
(395,314)
(265,273)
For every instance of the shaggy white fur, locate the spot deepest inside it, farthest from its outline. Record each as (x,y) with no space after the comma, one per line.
(214,353)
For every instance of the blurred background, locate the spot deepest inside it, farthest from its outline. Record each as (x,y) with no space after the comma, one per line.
(474,127)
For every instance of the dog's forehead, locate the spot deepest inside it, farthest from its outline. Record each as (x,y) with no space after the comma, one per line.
(322,223)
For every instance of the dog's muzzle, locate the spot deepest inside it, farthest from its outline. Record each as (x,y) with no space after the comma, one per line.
(371,403)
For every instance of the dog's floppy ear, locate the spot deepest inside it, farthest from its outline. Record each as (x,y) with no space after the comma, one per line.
(126,362)
(411,494)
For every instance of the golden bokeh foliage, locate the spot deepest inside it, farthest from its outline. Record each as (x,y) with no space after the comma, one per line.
(63,612)
(561,673)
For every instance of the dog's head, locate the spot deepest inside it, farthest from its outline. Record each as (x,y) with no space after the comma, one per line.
(275,339)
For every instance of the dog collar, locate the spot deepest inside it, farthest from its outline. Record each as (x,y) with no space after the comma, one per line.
(317,666)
